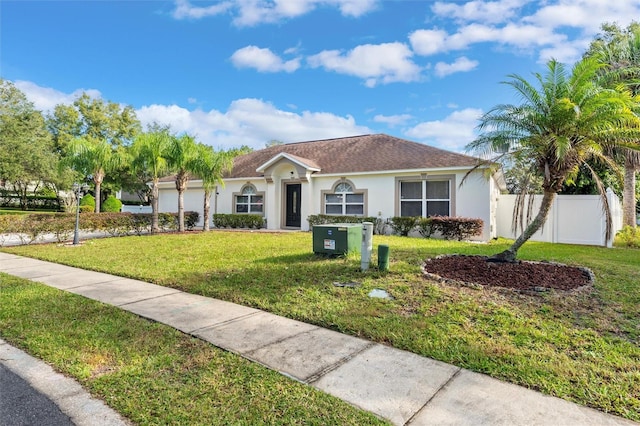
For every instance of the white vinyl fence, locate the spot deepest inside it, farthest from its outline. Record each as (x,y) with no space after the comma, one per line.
(136,209)
(573,219)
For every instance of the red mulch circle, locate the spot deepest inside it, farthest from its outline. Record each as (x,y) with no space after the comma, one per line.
(521,275)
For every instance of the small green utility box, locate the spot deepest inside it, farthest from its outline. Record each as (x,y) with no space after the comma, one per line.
(337,238)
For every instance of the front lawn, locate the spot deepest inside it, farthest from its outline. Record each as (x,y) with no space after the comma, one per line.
(581,346)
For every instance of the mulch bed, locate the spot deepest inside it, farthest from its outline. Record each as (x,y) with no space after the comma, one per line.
(522,275)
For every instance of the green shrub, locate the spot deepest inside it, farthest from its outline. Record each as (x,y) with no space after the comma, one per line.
(88,200)
(458,228)
(323,219)
(424,225)
(403,225)
(627,237)
(87,209)
(221,220)
(111,205)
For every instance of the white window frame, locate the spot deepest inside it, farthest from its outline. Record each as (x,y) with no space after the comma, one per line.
(251,192)
(423,200)
(342,189)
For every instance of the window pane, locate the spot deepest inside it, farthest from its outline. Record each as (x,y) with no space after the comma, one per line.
(333,198)
(333,209)
(437,208)
(242,199)
(242,208)
(438,190)
(256,208)
(411,190)
(256,199)
(355,198)
(355,209)
(344,187)
(411,208)
(249,190)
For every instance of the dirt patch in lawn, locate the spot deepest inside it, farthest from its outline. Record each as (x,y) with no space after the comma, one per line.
(522,275)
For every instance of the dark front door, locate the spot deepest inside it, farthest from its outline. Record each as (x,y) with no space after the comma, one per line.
(293,217)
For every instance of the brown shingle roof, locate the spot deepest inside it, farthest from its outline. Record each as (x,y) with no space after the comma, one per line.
(355,154)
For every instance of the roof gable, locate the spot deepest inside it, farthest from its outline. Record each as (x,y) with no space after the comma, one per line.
(356,154)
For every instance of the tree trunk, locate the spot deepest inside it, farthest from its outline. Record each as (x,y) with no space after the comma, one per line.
(97,180)
(154,208)
(509,255)
(181,185)
(629,195)
(206,208)
(181,210)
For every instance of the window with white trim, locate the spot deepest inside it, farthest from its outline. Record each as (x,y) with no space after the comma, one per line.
(344,201)
(249,201)
(425,198)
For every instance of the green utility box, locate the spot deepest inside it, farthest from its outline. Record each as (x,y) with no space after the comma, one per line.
(337,238)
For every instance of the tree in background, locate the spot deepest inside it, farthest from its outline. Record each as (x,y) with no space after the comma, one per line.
(565,119)
(101,122)
(210,166)
(27,157)
(148,161)
(619,49)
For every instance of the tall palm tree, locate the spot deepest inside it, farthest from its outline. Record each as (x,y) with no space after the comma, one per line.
(181,156)
(620,50)
(564,121)
(148,157)
(95,158)
(210,166)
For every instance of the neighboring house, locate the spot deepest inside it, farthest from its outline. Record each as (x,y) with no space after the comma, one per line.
(370,175)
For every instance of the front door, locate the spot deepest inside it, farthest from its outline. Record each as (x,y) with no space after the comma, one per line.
(293,217)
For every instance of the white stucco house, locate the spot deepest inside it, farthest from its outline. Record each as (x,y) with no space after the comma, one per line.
(370,175)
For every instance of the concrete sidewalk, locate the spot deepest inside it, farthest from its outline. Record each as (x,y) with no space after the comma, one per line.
(396,385)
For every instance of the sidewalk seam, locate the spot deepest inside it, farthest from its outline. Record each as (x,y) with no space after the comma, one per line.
(453,376)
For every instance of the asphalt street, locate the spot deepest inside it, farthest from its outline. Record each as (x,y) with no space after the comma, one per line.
(22,405)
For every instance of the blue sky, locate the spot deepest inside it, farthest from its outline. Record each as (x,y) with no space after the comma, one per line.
(244,72)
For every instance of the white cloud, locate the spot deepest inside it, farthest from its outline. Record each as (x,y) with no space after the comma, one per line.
(263,60)
(392,120)
(250,122)
(382,63)
(254,12)
(453,133)
(428,42)
(587,15)
(185,10)
(462,64)
(485,11)
(45,98)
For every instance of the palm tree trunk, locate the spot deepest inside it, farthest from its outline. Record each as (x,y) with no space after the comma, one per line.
(206,209)
(509,255)
(98,185)
(181,210)
(154,208)
(629,195)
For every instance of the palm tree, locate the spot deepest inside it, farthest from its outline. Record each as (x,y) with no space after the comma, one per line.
(181,156)
(620,50)
(561,124)
(148,157)
(95,158)
(210,166)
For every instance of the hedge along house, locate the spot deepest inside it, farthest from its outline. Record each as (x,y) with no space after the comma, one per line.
(370,175)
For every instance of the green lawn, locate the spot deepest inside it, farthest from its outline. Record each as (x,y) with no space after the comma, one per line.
(581,346)
(153,374)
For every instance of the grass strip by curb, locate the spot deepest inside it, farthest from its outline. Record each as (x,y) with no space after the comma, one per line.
(153,374)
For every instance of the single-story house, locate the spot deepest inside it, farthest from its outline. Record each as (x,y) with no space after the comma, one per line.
(369,175)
